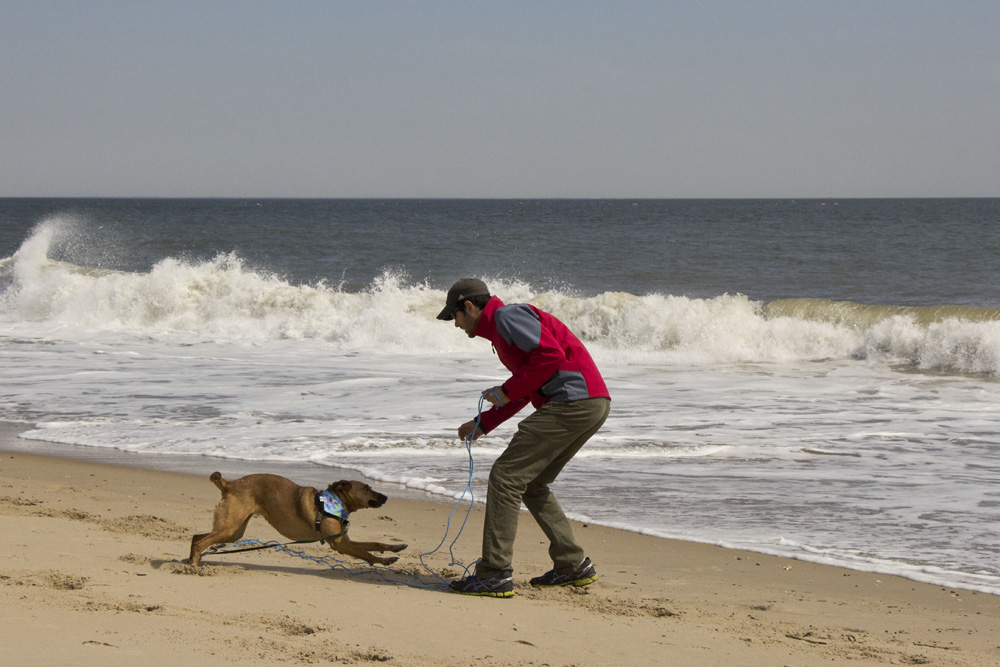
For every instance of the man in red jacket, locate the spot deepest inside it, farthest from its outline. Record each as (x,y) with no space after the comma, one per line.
(551,369)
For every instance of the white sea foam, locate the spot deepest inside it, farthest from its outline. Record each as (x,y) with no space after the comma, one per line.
(223,298)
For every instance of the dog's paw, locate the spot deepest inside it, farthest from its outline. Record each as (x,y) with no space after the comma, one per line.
(398,547)
(390,560)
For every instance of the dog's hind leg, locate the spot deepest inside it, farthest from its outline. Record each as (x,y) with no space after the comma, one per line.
(221,534)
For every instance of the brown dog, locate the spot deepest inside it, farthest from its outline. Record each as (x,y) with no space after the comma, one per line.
(297,512)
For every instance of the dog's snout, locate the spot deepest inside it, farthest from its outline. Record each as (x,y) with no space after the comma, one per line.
(377,500)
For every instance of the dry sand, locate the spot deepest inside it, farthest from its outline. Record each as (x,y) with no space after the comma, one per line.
(93,573)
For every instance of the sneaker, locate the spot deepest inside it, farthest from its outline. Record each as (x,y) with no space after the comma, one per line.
(582,576)
(494,587)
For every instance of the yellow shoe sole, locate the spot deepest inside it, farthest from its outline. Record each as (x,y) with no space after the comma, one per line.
(575,582)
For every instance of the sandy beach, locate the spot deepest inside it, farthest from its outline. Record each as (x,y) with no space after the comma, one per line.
(93,573)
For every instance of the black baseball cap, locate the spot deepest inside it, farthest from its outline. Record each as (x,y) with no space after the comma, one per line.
(459,292)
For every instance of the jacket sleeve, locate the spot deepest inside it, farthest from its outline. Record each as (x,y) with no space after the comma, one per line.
(493,417)
(520,325)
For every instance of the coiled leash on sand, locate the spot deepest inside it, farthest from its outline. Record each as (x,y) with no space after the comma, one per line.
(337,564)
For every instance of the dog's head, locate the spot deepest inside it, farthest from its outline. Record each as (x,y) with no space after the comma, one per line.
(357,495)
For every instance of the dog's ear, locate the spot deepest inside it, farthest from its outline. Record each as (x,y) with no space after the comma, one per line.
(337,487)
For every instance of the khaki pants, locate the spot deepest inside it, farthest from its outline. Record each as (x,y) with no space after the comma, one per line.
(544,443)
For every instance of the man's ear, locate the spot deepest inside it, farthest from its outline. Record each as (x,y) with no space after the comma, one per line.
(471,309)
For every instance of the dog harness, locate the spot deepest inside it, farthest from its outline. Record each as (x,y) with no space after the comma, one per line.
(330,505)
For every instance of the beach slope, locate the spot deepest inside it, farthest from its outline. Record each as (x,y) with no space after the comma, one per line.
(92,573)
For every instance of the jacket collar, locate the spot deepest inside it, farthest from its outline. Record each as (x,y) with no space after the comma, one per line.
(485,324)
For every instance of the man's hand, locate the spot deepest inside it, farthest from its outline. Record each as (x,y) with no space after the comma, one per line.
(497,396)
(465,429)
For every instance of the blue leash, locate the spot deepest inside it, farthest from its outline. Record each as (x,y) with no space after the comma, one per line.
(335,563)
(472,498)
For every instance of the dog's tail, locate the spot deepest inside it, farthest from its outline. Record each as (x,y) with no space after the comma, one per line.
(216,478)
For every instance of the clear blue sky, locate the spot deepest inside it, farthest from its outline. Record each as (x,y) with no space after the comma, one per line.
(732,98)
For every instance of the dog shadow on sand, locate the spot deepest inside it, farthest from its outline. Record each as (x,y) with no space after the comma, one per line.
(358,572)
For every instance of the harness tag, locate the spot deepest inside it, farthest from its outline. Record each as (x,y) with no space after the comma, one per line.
(333,505)
(330,505)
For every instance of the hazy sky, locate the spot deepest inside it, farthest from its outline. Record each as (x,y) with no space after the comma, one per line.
(662,98)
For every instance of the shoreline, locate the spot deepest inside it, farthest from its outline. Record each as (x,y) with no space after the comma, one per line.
(93,574)
(321,475)
(196,465)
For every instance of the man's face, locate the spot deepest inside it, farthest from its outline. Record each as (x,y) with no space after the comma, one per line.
(468,319)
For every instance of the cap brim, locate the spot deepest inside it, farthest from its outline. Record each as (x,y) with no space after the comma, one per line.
(447,313)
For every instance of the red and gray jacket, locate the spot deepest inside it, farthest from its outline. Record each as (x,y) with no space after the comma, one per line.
(547,362)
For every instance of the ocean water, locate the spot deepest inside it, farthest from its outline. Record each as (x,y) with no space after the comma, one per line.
(815,379)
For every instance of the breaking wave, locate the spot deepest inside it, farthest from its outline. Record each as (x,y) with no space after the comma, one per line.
(223,297)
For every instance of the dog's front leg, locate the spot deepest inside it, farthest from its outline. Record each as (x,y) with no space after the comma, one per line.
(380,546)
(362,550)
